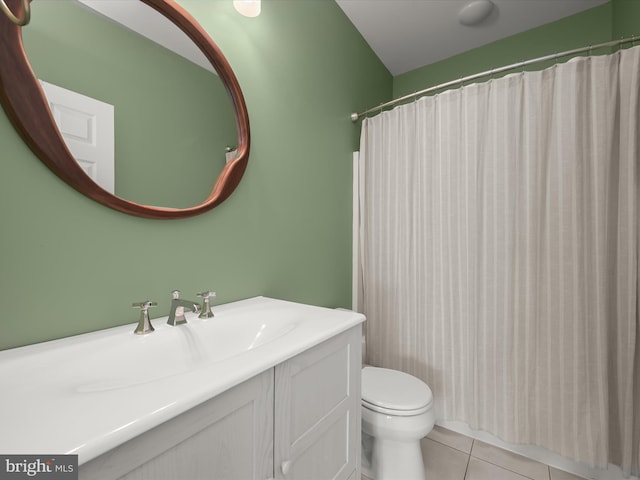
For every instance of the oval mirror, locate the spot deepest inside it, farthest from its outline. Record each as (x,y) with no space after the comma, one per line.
(170,137)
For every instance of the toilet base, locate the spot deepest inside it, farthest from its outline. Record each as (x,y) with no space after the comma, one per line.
(367,455)
(384,459)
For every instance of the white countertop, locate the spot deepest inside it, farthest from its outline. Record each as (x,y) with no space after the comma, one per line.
(89,393)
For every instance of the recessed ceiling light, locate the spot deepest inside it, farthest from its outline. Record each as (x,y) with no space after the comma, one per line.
(475,12)
(248,8)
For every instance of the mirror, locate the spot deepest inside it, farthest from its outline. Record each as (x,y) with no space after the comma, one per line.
(165,166)
(161,140)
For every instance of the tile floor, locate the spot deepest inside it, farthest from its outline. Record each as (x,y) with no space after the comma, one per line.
(451,456)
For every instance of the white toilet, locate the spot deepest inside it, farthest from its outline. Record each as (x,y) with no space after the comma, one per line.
(397,411)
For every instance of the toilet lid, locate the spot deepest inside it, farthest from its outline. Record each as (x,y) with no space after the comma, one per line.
(394,392)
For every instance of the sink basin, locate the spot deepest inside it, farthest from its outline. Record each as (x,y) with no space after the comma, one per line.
(185,348)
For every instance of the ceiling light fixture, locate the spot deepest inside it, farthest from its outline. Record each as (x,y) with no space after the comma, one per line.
(248,8)
(475,12)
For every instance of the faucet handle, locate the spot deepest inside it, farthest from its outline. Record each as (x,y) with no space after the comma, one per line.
(206,304)
(206,294)
(144,323)
(144,305)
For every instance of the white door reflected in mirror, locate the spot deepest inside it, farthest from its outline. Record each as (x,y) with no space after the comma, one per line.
(87,126)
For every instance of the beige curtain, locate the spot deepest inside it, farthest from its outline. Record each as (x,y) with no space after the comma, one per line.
(499,243)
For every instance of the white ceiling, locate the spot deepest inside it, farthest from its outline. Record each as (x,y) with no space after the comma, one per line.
(408,34)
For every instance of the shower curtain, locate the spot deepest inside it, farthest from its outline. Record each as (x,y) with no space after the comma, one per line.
(499,251)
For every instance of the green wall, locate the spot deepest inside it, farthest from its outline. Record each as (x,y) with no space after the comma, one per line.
(626,18)
(69,265)
(586,28)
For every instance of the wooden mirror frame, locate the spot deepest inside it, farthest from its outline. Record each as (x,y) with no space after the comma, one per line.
(26,105)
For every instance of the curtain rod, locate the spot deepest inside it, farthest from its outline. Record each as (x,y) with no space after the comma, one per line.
(356,116)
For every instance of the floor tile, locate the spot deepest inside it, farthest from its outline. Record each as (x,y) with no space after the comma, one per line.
(481,470)
(451,438)
(510,461)
(560,475)
(443,462)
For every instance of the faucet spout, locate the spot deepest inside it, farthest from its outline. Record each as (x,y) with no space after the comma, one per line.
(178,308)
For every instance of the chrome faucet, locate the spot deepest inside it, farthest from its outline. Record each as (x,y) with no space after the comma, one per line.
(178,307)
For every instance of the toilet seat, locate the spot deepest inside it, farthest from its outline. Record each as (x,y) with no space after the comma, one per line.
(394,393)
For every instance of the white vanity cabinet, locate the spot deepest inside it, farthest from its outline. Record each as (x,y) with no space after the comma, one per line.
(297,421)
(317,411)
(229,436)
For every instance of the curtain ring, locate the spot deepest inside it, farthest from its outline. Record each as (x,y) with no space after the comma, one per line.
(26,13)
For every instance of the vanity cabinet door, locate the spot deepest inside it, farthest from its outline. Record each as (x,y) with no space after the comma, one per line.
(227,437)
(317,411)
